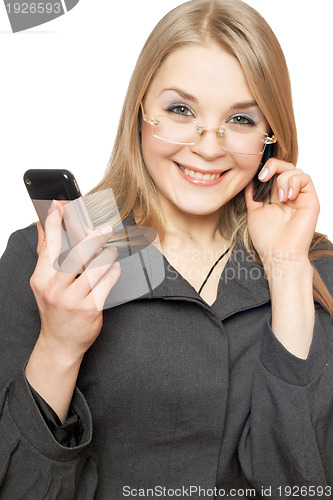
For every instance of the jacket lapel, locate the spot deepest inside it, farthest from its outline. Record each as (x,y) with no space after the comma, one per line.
(243,285)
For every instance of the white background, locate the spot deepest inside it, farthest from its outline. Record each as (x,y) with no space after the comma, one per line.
(62,87)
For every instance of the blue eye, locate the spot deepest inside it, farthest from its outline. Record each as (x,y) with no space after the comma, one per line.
(241,120)
(180,110)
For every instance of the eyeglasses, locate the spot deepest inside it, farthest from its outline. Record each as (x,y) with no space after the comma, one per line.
(232,137)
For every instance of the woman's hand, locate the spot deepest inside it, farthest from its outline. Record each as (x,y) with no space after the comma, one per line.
(70,307)
(284,228)
(282,232)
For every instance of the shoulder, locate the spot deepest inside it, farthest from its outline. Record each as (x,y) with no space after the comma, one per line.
(21,251)
(26,236)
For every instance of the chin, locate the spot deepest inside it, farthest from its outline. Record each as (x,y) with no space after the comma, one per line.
(197,211)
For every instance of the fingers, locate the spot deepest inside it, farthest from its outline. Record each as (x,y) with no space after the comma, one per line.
(79,256)
(55,286)
(52,246)
(48,247)
(41,238)
(101,290)
(52,243)
(289,180)
(90,290)
(290,187)
(95,271)
(250,202)
(274,166)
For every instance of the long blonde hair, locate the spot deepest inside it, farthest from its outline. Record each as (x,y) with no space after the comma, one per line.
(239,29)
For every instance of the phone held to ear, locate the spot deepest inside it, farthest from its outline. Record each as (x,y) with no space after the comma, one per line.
(261,189)
(46,185)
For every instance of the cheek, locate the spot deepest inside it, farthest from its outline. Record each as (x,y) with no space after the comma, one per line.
(249,165)
(247,168)
(153,149)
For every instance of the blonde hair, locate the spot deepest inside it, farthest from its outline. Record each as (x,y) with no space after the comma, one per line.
(238,28)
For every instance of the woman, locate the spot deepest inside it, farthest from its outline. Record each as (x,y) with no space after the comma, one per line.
(219,380)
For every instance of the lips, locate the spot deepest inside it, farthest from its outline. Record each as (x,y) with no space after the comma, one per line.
(201,177)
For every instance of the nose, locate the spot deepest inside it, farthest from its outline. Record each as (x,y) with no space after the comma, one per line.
(208,145)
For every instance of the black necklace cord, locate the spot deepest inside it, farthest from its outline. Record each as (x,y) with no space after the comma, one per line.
(212,269)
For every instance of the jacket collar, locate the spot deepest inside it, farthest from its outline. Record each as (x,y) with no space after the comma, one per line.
(243,285)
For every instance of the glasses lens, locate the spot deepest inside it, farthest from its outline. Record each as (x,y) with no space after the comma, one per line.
(182,129)
(243,141)
(177,130)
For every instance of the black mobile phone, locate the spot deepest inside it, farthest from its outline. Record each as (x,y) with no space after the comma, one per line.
(45,185)
(261,189)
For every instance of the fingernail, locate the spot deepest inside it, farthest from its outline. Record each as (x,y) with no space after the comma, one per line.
(106,230)
(53,206)
(290,193)
(116,264)
(263,174)
(281,194)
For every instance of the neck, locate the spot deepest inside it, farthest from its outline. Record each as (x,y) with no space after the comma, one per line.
(199,231)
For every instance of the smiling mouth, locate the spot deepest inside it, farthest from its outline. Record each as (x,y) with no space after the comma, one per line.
(198,175)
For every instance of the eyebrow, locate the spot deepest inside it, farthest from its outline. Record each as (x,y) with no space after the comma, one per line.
(244,105)
(189,97)
(182,93)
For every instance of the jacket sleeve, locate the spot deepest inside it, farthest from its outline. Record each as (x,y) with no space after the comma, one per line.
(287,441)
(70,432)
(32,463)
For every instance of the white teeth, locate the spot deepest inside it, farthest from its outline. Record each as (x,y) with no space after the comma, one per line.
(199,175)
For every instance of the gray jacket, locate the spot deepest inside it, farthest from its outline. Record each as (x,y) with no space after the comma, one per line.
(176,398)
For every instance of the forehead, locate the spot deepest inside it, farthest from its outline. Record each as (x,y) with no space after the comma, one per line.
(207,72)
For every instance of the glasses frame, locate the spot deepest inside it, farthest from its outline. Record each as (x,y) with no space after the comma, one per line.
(220,131)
